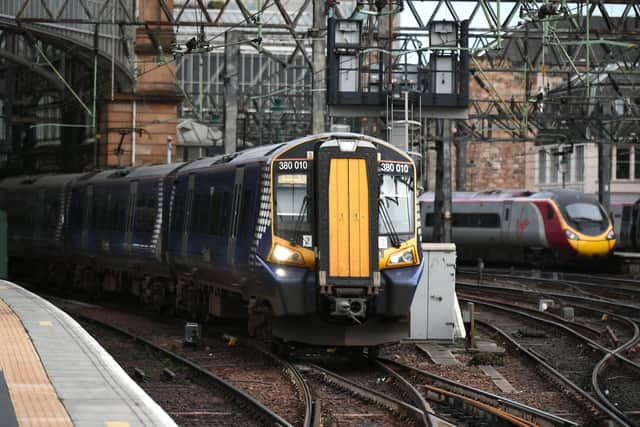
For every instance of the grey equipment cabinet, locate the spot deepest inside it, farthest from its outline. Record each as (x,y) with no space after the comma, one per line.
(435,314)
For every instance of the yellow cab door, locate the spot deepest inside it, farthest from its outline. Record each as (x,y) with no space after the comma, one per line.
(349,239)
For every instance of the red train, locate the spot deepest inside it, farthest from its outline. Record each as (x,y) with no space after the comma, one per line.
(540,228)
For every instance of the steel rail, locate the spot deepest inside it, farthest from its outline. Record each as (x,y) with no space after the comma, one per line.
(252,403)
(609,357)
(558,325)
(574,324)
(412,393)
(296,377)
(604,301)
(508,406)
(391,403)
(560,279)
(604,406)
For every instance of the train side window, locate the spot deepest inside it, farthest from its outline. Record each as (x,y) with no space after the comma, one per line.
(216,212)
(549,212)
(145,209)
(194,227)
(115,219)
(100,204)
(75,213)
(506,214)
(475,220)
(200,215)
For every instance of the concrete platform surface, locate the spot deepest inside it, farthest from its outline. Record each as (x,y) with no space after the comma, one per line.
(58,375)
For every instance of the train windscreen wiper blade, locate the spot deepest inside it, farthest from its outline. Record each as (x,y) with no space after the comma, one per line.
(388,223)
(297,230)
(582,218)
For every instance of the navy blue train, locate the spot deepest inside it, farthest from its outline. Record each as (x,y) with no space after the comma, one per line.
(313,240)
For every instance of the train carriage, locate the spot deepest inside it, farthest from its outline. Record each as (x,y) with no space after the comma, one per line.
(540,228)
(315,240)
(36,209)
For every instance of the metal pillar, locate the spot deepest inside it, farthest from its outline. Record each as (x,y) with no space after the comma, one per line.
(231,59)
(94,119)
(461,162)
(442,202)
(605,151)
(10,81)
(319,83)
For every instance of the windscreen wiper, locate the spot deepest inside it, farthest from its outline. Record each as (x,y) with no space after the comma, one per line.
(581,218)
(297,230)
(388,223)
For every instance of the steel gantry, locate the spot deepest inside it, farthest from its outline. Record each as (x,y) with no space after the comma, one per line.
(573,60)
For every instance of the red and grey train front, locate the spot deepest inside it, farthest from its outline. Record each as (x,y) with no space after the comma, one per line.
(344,256)
(583,229)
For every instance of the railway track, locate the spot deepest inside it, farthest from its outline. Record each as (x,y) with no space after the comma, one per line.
(346,402)
(271,383)
(620,311)
(443,401)
(594,286)
(466,405)
(190,394)
(581,364)
(347,397)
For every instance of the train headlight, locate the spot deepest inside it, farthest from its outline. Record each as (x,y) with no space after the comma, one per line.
(611,235)
(402,257)
(571,235)
(282,254)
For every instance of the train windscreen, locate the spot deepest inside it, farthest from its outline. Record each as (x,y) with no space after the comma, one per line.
(396,201)
(588,218)
(291,207)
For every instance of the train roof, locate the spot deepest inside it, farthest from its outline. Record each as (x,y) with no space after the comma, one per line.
(248,155)
(129,173)
(267,152)
(38,181)
(256,154)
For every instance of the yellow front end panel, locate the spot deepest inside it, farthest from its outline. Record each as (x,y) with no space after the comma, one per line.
(348,218)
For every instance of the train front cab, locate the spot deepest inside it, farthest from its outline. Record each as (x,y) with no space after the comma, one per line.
(585,227)
(344,209)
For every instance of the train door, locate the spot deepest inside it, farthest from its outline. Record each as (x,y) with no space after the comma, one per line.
(347,212)
(505,224)
(235,213)
(348,218)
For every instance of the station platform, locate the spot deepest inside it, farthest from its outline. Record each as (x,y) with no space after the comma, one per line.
(53,373)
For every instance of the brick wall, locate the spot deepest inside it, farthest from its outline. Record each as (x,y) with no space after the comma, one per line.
(504,164)
(156,100)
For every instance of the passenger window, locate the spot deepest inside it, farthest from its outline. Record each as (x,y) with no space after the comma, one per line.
(506,214)
(549,212)
(145,208)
